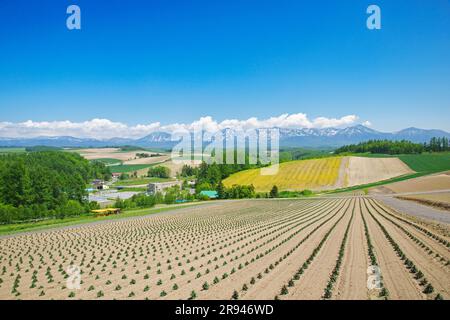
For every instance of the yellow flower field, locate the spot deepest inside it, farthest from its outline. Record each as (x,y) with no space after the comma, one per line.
(314,174)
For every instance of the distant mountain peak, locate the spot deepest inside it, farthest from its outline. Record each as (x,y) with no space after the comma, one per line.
(295,137)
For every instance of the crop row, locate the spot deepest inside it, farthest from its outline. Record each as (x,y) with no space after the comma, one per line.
(291,283)
(409,264)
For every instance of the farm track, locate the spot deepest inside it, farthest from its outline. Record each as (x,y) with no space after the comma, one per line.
(207,252)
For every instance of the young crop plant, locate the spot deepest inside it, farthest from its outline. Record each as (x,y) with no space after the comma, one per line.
(428,289)
(384,293)
(335,273)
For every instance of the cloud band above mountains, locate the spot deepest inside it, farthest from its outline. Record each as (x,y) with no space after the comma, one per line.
(104,128)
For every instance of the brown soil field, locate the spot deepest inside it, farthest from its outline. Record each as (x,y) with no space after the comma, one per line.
(175,168)
(115,153)
(362,170)
(421,184)
(438,200)
(149,160)
(259,249)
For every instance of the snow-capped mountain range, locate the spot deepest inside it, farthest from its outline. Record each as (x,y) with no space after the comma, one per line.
(305,137)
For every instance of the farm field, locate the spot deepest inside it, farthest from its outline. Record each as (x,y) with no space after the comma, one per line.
(126,157)
(363,170)
(323,174)
(121,168)
(11,150)
(247,249)
(141,181)
(427,162)
(443,197)
(439,200)
(315,174)
(422,184)
(126,161)
(108,161)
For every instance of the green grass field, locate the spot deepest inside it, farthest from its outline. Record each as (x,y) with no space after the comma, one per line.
(427,162)
(133,189)
(108,161)
(128,167)
(11,150)
(135,182)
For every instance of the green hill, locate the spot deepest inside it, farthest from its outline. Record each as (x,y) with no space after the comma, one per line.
(427,162)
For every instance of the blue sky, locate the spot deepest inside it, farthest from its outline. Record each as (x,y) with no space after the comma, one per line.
(139,62)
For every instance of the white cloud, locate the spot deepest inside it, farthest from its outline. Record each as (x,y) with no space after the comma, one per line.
(104,128)
(367,123)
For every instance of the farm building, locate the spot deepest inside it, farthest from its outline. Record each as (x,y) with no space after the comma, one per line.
(161,186)
(100,184)
(210,194)
(115,175)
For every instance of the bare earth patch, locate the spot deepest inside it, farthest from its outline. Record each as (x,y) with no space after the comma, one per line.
(421,184)
(362,170)
(255,247)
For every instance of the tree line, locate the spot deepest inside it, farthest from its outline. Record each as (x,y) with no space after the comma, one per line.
(38,185)
(396,147)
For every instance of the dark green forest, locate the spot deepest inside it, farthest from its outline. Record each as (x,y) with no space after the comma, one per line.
(396,147)
(38,185)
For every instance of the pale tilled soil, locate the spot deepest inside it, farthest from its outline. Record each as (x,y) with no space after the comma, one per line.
(149,160)
(439,200)
(421,184)
(252,246)
(436,272)
(362,170)
(351,284)
(396,278)
(417,210)
(115,153)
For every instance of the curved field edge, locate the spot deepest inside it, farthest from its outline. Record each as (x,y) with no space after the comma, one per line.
(293,175)
(424,164)
(12,229)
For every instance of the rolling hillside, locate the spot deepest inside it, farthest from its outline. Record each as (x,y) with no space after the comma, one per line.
(434,162)
(315,174)
(323,174)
